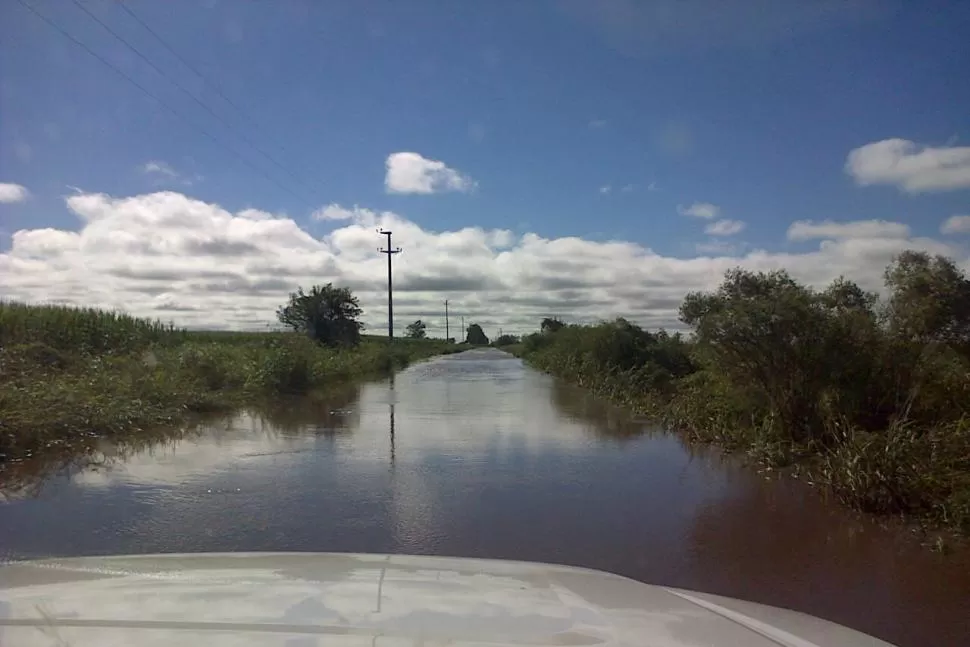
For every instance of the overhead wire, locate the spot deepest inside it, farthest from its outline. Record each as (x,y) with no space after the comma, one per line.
(198,101)
(124,7)
(50,23)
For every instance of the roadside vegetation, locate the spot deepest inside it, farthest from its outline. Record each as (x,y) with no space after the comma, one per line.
(867,397)
(506,341)
(68,375)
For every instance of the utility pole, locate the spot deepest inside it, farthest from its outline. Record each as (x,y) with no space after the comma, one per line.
(390,251)
(447,334)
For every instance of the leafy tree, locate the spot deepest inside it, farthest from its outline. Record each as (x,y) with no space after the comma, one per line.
(551,324)
(929,299)
(767,331)
(476,336)
(416,330)
(845,296)
(326,314)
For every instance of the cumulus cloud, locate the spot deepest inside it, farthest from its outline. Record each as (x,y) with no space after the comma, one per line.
(724,228)
(909,166)
(828,229)
(704,210)
(412,173)
(606,189)
(956,225)
(170,256)
(12,193)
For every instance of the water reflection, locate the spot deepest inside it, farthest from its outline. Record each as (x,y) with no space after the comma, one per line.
(597,415)
(328,413)
(475,455)
(390,406)
(21,479)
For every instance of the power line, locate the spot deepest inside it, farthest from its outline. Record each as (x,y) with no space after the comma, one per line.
(209,82)
(205,79)
(181,87)
(152,96)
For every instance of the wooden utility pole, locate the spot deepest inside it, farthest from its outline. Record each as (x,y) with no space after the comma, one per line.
(447,335)
(390,290)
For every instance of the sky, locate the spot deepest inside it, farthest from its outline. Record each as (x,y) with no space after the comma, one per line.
(197,161)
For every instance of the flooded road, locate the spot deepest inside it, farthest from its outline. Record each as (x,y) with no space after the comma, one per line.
(477,455)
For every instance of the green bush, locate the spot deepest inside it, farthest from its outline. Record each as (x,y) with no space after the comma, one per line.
(873,395)
(215,365)
(287,368)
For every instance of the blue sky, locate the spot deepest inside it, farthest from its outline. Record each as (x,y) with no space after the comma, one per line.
(601,121)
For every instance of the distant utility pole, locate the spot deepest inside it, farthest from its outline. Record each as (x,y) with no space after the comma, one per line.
(447,334)
(463,326)
(390,251)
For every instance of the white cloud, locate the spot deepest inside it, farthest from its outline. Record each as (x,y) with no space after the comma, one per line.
(11,193)
(170,256)
(724,228)
(956,225)
(165,173)
(597,123)
(606,189)
(910,166)
(653,187)
(715,246)
(700,210)
(160,168)
(828,229)
(412,173)
(334,212)
(627,188)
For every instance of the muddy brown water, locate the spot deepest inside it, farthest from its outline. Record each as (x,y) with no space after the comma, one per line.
(477,455)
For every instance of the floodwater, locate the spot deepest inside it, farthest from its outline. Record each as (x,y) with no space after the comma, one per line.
(477,455)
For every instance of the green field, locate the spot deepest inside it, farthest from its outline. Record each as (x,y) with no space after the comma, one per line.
(70,375)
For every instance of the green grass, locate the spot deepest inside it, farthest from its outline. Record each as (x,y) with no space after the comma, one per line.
(71,375)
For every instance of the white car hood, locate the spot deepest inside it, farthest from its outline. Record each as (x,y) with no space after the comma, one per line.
(306,599)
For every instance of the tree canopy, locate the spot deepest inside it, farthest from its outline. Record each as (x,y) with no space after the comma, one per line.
(327,314)
(551,324)
(416,330)
(929,300)
(476,336)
